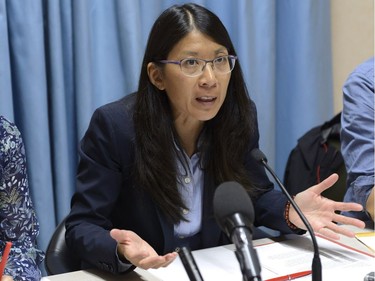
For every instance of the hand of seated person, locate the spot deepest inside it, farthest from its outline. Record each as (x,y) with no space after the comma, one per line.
(321,212)
(134,249)
(6,278)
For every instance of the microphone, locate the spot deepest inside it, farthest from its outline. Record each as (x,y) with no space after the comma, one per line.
(234,212)
(259,156)
(190,265)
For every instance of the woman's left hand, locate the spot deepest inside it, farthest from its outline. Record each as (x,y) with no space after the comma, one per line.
(320,211)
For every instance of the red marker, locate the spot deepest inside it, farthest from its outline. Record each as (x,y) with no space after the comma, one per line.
(5,258)
(291,276)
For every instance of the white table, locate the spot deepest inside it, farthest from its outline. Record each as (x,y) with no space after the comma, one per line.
(139,274)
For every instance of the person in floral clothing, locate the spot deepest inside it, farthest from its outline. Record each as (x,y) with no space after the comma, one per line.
(18,221)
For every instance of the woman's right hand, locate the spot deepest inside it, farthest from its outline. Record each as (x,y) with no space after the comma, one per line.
(6,278)
(138,252)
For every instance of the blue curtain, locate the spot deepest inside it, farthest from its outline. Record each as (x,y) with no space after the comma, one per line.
(61,59)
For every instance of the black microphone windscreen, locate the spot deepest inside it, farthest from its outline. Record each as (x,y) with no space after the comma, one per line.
(231,198)
(258,155)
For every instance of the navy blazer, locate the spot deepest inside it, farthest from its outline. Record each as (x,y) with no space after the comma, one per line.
(107,198)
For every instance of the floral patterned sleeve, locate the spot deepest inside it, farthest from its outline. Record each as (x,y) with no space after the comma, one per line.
(18,222)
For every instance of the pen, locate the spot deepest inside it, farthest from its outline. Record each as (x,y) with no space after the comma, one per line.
(290,276)
(5,258)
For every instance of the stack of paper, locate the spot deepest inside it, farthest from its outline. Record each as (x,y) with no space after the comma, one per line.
(339,262)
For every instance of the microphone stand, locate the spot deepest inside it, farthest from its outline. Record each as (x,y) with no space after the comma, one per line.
(189,264)
(316,268)
(245,253)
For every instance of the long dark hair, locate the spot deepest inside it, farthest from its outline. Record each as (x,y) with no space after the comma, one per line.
(224,140)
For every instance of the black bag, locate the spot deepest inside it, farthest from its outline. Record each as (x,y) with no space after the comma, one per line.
(316,156)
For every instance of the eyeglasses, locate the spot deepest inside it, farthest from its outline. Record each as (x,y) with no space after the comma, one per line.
(193,67)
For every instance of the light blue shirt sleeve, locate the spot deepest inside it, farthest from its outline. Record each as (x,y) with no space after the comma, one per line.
(357,135)
(122,265)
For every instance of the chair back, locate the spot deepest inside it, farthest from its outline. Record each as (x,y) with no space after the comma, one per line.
(316,156)
(59,258)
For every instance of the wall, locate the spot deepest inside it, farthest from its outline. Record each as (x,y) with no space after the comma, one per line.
(352,30)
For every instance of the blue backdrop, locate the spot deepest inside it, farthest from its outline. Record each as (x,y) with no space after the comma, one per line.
(61,59)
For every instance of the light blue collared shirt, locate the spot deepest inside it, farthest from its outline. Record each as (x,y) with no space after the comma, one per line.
(190,184)
(357,135)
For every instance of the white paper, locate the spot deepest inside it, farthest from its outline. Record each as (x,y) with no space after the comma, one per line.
(276,259)
(368,239)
